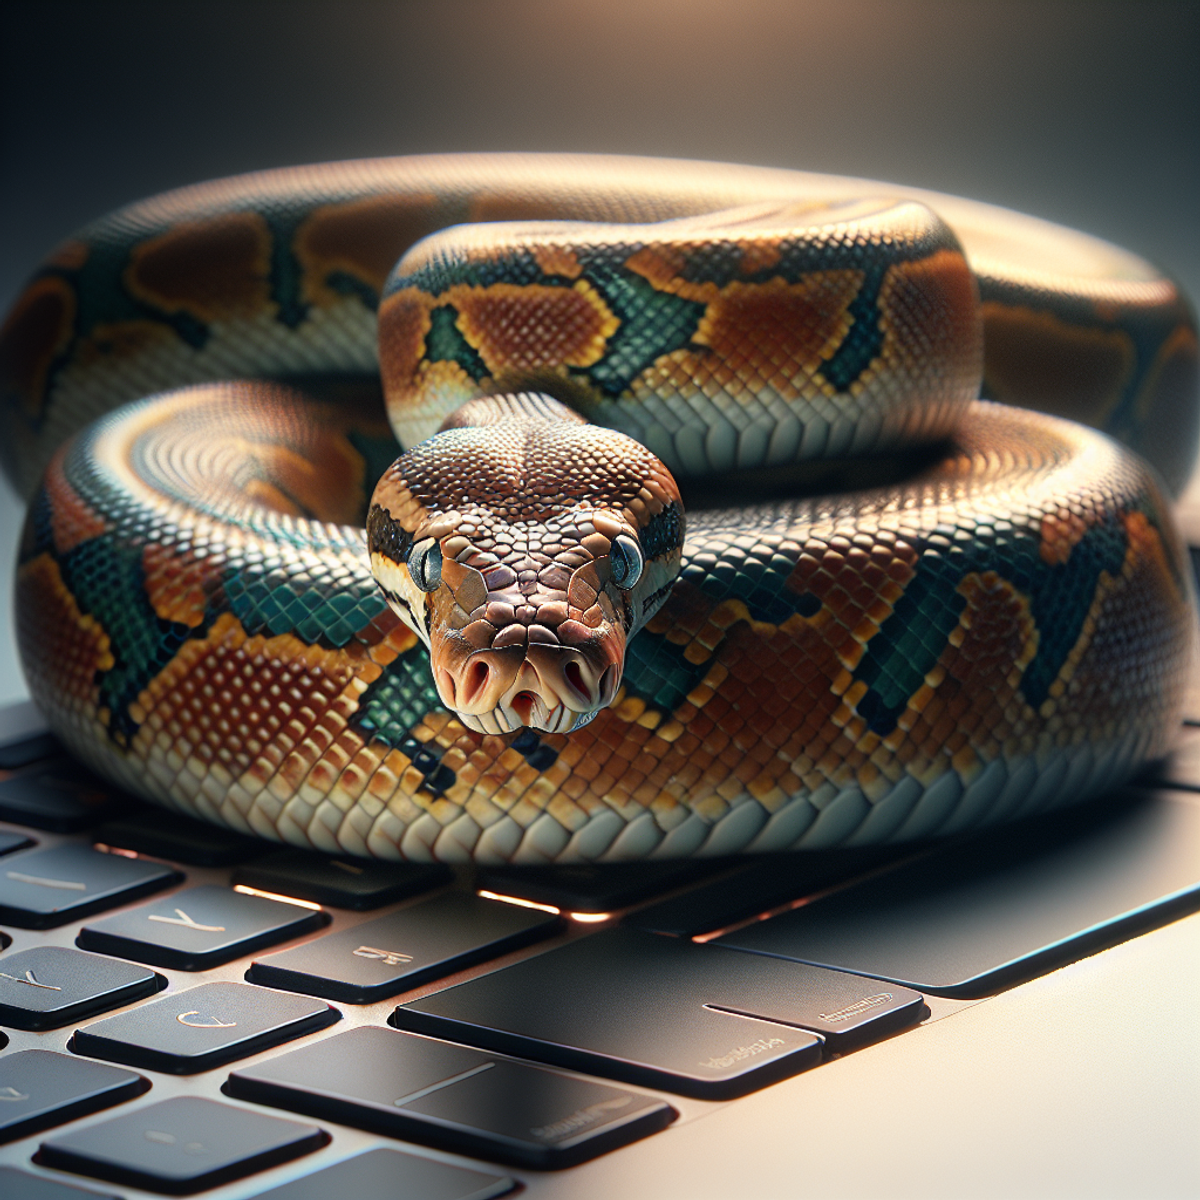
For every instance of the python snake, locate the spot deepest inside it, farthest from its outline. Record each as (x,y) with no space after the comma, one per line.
(996,621)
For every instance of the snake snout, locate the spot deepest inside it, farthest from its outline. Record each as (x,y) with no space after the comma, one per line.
(550,688)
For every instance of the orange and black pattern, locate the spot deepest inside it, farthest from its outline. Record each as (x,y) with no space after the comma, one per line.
(1003,626)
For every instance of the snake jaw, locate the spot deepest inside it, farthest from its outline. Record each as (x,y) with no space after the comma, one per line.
(534,699)
(553,680)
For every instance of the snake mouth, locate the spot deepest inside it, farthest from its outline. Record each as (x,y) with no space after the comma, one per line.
(550,690)
(530,714)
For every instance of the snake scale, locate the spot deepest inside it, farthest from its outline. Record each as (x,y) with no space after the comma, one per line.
(995,620)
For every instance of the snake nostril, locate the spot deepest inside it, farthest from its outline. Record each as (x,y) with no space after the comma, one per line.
(608,687)
(448,688)
(477,679)
(573,674)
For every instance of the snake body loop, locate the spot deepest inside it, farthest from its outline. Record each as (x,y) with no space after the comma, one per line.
(557,662)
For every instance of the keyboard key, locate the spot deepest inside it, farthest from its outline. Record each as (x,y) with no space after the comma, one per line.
(47,987)
(355,883)
(752,887)
(40,889)
(392,1175)
(21,1185)
(198,928)
(453,1097)
(663,1012)
(11,842)
(966,920)
(203,1027)
(391,954)
(180,1146)
(172,836)
(59,795)
(593,887)
(39,1088)
(21,751)
(24,736)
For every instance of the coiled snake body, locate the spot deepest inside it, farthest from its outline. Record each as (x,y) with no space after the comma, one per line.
(996,621)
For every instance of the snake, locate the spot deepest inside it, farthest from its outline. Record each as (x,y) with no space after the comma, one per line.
(722,509)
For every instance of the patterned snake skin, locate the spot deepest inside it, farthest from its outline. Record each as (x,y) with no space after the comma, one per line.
(996,619)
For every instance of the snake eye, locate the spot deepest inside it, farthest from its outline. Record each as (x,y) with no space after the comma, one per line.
(627,561)
(425,565)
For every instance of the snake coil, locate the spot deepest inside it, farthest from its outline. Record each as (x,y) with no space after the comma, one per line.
(557,663)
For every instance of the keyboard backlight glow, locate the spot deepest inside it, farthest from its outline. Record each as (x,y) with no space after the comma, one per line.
(590,918)
(117,850)
(778,910)
(520,903)
(249,891)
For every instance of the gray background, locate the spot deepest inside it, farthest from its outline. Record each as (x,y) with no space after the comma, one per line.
(1083,112)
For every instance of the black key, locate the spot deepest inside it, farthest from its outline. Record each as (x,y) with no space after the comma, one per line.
(50,986)
(21,1185)
(21,751)
(753,887)
(453,1097)
(180,1146)
(11,842)
(664,1012)
(169,835)
(390,954)
(202,1027)
(39,1088)
(24,736)
(593,887)
(392,1175)
(966,920)
(58,795)
(355,883)
(43,888)
(198,928)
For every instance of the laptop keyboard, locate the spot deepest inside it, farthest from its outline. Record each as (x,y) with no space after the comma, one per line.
(184,1010)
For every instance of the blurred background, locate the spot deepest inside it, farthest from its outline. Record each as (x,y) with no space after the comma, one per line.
(1086,112)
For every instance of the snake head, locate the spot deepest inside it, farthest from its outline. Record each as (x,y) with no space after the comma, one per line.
(526,548)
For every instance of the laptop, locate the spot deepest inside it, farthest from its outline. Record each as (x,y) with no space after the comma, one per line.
(187,1011)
